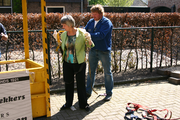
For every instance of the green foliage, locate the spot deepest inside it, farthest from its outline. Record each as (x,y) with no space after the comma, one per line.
(94,2)
(114,3)
(17,6)
(120,3)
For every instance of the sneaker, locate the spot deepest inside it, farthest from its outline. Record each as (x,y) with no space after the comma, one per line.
(108,97)
(64,107)
(87,108)
(88,95)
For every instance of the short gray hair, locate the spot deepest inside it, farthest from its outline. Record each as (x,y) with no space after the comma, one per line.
(68,20)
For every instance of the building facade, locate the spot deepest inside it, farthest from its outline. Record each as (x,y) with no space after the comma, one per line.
(60,6)
(164,5)
(34,6)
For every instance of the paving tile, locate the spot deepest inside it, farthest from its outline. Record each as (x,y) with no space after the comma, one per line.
(156,95)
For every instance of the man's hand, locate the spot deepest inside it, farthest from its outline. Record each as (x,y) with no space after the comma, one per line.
(4,36)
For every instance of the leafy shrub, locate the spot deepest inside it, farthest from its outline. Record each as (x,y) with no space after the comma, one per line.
(14,21)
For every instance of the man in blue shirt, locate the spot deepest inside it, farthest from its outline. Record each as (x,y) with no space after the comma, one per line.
(100,29)
(3,36)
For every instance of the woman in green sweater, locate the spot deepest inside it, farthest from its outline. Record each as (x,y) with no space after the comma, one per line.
(73,44)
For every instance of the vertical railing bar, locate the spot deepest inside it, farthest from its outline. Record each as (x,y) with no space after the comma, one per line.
(152,40)
(6,54)
(162,48)
(115,65)
(121,49)
(136,50)
(142,54)
(59,66)
(171,43)
(145,48)
(157,55)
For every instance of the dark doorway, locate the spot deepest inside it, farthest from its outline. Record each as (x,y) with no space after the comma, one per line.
(162,9)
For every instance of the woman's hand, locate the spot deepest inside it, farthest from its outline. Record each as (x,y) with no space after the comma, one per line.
(88,38)
(57,37)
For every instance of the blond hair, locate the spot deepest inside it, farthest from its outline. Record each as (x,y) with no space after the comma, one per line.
(97,8)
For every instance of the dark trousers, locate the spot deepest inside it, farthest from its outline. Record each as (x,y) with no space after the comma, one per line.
(77,70)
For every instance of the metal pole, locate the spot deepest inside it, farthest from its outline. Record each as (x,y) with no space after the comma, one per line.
(45,53)
(152,40)
(49,61)
(81,6)
(25,29)
(11,7)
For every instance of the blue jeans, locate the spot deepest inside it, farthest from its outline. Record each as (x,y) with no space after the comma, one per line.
(105,58)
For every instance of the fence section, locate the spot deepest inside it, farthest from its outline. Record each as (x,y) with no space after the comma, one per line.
(132,48)
(145,47)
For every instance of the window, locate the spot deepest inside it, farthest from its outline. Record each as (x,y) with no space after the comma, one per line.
(6,6)
(5,2)
(55,9)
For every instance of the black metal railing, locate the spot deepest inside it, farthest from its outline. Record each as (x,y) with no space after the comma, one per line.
(132,48)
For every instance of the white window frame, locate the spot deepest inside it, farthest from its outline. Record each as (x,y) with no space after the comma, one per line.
(55,7)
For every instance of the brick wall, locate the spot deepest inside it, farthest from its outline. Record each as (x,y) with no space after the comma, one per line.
(69,7)
(153,4)
(34,7)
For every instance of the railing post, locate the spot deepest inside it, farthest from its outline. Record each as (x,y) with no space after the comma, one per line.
(7,44)
(152,40)
(171,45)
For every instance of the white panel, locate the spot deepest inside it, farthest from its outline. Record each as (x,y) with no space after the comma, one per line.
(15,97)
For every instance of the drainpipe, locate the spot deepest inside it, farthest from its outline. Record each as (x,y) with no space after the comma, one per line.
(11,7)
(81,6)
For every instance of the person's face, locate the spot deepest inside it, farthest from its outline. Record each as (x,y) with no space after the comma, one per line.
(66,27)
(96,16)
